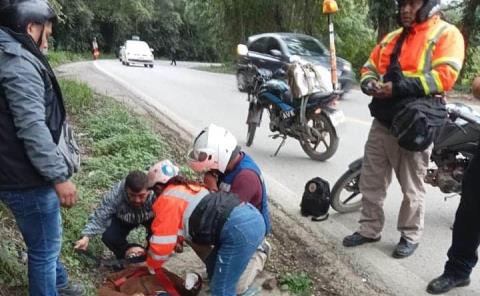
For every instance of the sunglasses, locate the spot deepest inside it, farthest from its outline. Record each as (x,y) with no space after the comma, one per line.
(199,156)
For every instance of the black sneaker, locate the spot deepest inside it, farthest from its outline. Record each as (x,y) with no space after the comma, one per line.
(404,249)
(445,283)
(72,289)
(356,239)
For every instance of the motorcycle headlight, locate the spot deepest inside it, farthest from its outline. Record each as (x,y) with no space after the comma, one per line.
(347,67)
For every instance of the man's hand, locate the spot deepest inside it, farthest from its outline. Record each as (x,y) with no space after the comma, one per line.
(82,244)
(210,180)
(370,87)
(179,245)
(67,193)
(385,91)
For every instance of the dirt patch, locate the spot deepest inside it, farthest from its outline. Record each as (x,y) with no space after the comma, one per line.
(296,249)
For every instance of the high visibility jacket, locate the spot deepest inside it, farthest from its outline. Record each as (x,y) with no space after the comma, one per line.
(431,58)
(172,211)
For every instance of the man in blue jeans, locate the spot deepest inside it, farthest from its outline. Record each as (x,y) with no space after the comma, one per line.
(34,176)
(216,153)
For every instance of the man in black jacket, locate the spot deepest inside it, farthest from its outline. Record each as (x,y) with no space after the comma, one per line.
(34,176)
(463,254)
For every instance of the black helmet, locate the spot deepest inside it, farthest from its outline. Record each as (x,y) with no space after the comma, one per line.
(17,14)
(429,8)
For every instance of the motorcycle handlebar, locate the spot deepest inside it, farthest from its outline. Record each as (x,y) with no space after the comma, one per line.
(456,112)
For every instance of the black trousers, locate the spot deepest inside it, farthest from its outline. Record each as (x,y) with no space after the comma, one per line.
(115,236)
(462,255)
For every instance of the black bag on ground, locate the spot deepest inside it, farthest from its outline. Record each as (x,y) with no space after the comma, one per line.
(316,199)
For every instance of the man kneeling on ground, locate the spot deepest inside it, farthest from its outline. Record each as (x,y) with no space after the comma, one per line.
(125,207)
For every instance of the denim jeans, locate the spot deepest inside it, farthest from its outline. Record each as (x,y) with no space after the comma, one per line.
(115,236)
(242,233)
(37,213)
(462,255)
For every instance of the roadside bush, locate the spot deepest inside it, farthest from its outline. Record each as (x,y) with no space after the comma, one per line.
(13,273)
(77,95)
(298,284)
(471,67)
(56,58)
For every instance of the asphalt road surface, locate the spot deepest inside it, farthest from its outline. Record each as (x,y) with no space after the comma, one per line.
(196,98)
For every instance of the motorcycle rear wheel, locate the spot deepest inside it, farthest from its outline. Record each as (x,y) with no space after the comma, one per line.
(344,195)
(323,126)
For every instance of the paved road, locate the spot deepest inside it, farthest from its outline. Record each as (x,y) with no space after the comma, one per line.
(197,98)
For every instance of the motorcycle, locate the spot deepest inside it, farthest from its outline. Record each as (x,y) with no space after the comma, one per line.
(311,119)
(453,148)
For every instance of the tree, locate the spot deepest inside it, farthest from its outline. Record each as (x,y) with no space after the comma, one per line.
(470,20)
(382,15)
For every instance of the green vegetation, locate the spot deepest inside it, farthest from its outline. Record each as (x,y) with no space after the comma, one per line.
(209,30)
(56,58)
(117,142)
(113,141)
(298,283)
(227,68)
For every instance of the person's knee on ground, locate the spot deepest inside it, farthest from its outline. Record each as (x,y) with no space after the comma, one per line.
(255,266)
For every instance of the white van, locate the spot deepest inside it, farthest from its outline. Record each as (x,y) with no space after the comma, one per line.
(137,52)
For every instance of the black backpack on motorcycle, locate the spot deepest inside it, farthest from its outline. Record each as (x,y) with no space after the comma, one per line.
(316,199)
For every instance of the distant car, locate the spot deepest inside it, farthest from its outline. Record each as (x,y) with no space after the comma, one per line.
(273,50)
(135,52)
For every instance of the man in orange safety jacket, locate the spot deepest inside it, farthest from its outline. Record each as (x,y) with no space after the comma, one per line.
(187,210)
(427,54)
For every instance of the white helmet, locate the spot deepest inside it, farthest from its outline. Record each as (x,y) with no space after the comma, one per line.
(162,172)
(212,149)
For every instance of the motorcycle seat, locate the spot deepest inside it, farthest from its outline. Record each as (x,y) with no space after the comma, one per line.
(321,98)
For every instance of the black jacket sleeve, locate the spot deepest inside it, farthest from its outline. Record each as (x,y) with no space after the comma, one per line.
(408,87)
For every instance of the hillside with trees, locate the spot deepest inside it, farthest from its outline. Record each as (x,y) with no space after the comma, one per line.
(208,30)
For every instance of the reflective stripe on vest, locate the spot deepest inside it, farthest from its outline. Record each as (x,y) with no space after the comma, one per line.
(430,80)
(156,257)
(192,199)
(163,240)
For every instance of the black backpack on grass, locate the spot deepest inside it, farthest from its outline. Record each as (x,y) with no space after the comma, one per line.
(316,199)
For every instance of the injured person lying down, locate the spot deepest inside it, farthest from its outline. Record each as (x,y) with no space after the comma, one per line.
(136,280)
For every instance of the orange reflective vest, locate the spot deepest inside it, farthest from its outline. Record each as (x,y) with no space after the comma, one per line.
(172,211)
(433,52)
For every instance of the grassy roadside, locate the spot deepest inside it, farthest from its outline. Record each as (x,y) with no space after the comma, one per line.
(57,58)
(226,68)
(113,142)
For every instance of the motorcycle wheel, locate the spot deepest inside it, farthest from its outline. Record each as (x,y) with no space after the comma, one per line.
(345,193)
(252,127)
(322,126)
